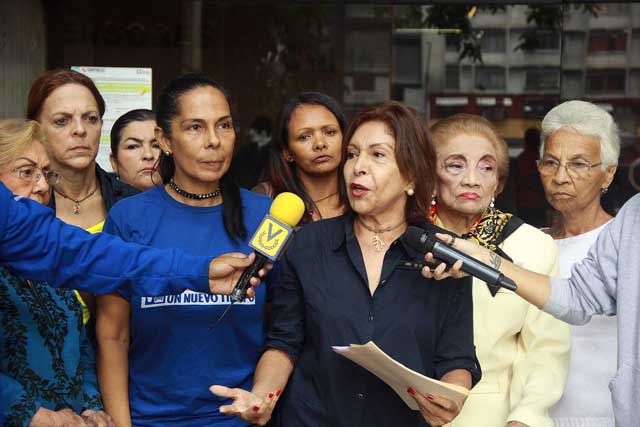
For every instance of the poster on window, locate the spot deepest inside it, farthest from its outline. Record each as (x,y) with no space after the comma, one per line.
(123,89)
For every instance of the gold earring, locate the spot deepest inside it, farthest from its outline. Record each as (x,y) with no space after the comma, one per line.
(410,192)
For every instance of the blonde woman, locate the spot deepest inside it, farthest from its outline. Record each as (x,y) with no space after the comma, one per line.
(46,361)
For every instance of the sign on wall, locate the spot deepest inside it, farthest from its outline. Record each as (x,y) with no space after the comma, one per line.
(123,89)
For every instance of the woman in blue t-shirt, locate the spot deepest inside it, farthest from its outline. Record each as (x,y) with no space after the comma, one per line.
(157,356)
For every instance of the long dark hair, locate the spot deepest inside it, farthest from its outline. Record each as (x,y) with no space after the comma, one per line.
(168,107)
(282,175)
(140,115)
(414,151)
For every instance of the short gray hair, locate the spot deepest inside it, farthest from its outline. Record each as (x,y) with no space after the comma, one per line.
(585,119)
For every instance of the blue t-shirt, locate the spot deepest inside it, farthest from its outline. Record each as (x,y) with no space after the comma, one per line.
(174,356)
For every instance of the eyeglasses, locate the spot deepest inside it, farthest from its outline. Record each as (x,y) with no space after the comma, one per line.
(34,173)
(576,169)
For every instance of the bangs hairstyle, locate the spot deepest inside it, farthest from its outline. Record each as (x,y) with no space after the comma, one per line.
(414,152)
(282,175)
(16,136)
(587,119)
(168,107)
(471,124)
(52,80)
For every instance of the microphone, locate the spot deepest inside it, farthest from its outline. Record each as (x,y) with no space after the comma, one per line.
(423,241)
(271,238)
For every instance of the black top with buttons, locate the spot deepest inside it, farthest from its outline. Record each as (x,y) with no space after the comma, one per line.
(322,299)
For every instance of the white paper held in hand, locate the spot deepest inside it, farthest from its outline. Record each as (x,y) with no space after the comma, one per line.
(396,375)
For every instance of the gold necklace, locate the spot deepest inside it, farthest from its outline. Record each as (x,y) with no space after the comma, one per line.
(76,202)
(315,202)
(325,197)
(376,240)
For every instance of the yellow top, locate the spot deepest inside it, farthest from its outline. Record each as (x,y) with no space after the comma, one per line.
(85,311)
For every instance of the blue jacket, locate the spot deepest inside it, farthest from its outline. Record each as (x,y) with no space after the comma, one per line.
(46,359)
(37,246)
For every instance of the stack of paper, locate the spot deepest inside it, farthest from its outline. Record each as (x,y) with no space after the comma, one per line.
(398,376)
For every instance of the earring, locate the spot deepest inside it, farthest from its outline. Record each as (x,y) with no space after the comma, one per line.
(492,205)
(433,210)
(167,153)
(410,192)
(604,190)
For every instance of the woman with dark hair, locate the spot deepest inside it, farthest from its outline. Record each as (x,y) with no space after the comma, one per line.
(149,378)
(304,154)
(340,284)
(134,149)
(69,108)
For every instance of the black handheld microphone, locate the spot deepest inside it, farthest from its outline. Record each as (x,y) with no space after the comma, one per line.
(423,241)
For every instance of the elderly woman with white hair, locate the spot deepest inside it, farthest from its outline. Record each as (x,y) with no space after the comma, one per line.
(578,158)
(607,281)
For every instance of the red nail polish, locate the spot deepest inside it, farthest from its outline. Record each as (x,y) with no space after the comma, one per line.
(411,391)
(270,395)
(430,396)
(278,393)
(256,408)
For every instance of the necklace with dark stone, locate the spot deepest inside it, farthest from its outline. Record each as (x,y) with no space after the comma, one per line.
(192,196)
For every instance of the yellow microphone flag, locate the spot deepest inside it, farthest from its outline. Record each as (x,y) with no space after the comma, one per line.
(275,230)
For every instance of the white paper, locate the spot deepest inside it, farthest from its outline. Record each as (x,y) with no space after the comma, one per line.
(396,375)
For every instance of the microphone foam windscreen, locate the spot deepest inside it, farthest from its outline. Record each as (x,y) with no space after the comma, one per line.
(288,208)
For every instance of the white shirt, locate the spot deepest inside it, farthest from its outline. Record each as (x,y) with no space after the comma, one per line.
(586,401)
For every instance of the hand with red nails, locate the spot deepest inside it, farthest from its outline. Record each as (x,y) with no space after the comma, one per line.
(247,405)
(436,410)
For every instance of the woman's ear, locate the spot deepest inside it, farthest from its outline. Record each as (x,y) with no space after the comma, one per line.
(114,164)
(163,140)
(286,154)
(609,173)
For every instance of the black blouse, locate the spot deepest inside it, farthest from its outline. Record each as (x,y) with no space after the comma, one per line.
(322,299)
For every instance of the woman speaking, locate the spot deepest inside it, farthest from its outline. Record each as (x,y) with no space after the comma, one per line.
(340,284)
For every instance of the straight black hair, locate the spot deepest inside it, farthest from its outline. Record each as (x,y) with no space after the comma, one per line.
(282,175)
(140,115)
(168,107)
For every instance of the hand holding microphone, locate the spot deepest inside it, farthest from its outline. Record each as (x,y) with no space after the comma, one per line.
(425,242)
(271,238)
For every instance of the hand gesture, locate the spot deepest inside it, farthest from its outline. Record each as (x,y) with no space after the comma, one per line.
(247,405)
(225,270)
(436,410)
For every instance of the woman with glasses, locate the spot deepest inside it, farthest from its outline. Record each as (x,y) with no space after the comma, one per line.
(579,155)
(523,352)
(46,361)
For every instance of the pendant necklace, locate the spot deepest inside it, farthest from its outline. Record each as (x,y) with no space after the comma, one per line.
(76,202)
(378,243)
